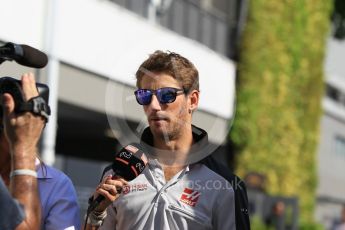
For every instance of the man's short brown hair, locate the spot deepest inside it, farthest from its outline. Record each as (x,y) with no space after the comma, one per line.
(172,64)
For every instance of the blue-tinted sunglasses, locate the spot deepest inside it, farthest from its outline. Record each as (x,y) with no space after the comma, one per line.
(164,95)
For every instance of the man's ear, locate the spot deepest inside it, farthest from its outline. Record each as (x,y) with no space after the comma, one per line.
(194,100)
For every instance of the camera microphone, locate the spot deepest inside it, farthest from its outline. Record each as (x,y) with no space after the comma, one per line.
(23,55)
(128,164)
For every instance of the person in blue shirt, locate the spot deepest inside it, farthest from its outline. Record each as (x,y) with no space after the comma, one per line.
(14,214)
(19,205)
(60,209)
(58,199)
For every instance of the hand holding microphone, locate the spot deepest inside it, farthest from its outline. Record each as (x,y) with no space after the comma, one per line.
(128,164)
(108,191)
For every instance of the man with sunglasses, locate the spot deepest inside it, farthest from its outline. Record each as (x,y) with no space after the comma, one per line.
(182,187)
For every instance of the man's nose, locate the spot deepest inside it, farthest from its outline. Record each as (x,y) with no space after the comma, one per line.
(155,105)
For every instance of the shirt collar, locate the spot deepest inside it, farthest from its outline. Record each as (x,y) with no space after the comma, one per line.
(42,170)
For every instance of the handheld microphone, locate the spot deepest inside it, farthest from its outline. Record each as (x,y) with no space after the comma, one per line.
(128,164)
(23,55)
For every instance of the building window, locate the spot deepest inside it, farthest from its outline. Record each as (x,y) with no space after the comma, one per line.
(213,23)
(340,146)
(332,92)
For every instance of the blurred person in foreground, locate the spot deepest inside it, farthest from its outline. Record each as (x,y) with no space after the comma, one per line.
(57,196)
(341,225)
(20,207)
(177,188)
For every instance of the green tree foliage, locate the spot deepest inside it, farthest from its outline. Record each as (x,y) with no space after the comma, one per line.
(280,86)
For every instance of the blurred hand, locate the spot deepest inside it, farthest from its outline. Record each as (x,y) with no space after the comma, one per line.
(22,130)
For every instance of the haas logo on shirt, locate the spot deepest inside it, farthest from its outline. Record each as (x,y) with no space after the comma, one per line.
(190,197)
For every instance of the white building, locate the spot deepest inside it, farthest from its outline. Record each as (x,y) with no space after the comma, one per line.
(94,49)
(331,156)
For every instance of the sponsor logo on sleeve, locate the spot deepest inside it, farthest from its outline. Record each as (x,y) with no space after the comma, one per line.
(134,188)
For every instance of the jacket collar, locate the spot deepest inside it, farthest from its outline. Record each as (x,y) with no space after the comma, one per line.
(200,142)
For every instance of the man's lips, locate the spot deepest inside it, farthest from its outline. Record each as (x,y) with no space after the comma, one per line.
(158,118)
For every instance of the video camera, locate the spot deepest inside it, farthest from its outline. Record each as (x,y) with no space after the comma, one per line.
(28,56)
(37,105)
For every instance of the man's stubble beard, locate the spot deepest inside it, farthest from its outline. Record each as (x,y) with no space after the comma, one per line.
(175,131)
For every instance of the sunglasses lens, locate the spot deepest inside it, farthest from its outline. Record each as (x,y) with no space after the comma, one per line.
(166,95)
(143,96)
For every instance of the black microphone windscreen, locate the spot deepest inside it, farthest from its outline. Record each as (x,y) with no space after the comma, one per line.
(129,162)
(33,57)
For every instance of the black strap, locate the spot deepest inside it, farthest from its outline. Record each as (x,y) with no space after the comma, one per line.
(36,105)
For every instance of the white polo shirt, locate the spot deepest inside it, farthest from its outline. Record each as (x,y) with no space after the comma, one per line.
(195,198)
